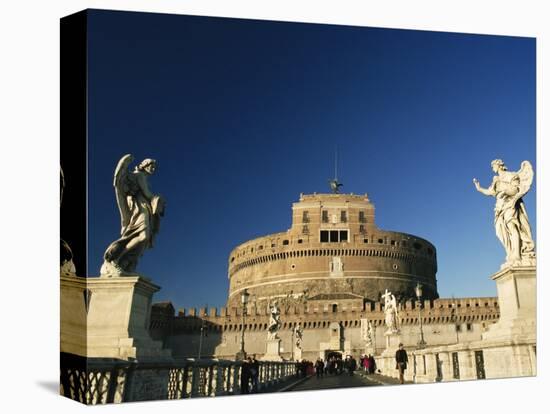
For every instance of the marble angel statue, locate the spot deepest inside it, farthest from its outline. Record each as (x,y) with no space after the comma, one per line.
(140,213)
(390,310)
(298,334)
(274,322)
(511,221)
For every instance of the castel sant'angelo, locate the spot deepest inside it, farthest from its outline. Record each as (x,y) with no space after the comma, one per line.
(333,250)
(327,275)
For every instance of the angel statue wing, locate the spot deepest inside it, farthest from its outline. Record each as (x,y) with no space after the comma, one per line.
(121,185)
(526,175)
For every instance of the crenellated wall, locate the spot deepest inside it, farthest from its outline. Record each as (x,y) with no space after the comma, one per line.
(221,328)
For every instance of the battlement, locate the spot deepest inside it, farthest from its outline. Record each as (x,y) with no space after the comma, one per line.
(319,316)
(303,309)
(332,196)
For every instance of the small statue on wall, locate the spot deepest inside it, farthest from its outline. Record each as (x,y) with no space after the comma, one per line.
(274,322)
(367,332)
(390,310)
(511,221)
(140,213)
(298,334)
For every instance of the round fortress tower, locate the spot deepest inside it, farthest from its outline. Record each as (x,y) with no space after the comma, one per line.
(333,249)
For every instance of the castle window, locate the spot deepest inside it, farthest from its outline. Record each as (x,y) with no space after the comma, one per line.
(299,241)
(334,307)
(343,235)
(343,217)
(334,236)
(392,242)
(324,216)
(361,229)
(362,218)
(273,245)
(305,229)
(305,217)
(285,242)
(365,240)
(381,241)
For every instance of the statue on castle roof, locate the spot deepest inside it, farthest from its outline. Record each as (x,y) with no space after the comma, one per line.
(140,213)
(335,185)
(511,221)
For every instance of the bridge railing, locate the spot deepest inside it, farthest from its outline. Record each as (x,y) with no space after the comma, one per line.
(101,381)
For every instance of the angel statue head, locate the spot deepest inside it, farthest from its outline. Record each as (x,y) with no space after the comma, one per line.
(148,165)
(497,165)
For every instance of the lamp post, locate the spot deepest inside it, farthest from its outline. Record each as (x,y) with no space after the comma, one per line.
(200,339)
(241,355)
(418,291)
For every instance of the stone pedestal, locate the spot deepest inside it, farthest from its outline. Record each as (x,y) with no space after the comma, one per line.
(273,351)
(297,354)
(517,298)
(393,339)
(109,318)
(510,344)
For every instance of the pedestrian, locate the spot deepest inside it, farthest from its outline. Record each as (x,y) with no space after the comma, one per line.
(254,373)
(319,367)
(352,365)
(372,364)
(303,368)
(366,362)
(401,360)
(347,364)
(245,376)
(339,366)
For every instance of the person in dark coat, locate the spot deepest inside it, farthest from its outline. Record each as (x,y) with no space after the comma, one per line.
(372,364)
(319,367)
(254,372)
(352,365)
(245,376)
(401,361)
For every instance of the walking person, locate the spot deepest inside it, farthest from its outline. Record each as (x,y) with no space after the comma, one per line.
(401,361)
(254,373)
(319,368)
(245,376)
(366,362)
(352,365)
(372,364)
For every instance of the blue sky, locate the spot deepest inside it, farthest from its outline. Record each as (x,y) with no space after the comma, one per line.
(244,115)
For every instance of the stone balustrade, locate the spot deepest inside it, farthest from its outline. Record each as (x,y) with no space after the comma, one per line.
(111,381)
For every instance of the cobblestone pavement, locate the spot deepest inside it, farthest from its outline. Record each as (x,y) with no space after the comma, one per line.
(333,381)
